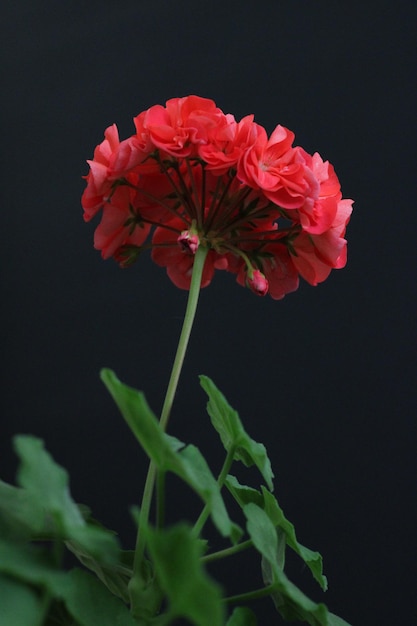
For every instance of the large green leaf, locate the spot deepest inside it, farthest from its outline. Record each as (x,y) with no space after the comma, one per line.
(312,559)
(232,433)
(46,484)
(176,555)
(19,604)
(90,603)
(28,563)
(116,576)
(165,452)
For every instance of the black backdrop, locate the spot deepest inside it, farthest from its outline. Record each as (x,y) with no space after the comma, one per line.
(326,378)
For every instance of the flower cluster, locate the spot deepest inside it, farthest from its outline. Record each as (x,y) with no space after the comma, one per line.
(193,176)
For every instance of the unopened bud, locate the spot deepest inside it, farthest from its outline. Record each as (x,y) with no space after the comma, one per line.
(258,283)
(189,242)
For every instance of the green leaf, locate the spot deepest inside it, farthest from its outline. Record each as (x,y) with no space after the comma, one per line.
(116,577)
(191,593)
(312,559)
(187,463)
(290,601)
(232,433)
(46,484)
(334,620)
(242,616)
(198,475)
(19,604)
(90,603)
(242,493)
(21,516)
(28,563)
(262,531)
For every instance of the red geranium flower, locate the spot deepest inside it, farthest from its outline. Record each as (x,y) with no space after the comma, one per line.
(193,176)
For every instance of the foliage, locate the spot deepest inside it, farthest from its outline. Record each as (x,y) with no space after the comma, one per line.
(39,520)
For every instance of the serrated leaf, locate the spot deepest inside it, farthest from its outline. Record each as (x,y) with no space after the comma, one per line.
(90,603)
(46,484)
(176,555)
(187,463)
(312,559)
(290,601)
(232,433)
(19,604)
(242,616)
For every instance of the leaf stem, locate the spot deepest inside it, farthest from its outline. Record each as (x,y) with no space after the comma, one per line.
(198,526)
(221,554)
(189,316)
(251,595)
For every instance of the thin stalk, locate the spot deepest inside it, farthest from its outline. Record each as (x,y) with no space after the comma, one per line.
(222,554)
(190,311)
(198,526)
(251,595)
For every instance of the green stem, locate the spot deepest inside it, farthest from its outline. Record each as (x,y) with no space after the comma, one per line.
(189,316)
(198,526)
(222,554)
(190,311)
(160,499)
(252,595)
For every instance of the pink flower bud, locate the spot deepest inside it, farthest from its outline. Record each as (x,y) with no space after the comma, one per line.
(258,283)
(189,242)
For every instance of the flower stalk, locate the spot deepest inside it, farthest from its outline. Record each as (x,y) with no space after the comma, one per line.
(189,316)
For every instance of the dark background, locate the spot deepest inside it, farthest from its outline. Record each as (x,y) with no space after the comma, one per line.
(326,377)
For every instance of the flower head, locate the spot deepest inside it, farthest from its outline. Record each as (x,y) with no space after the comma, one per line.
(192,176)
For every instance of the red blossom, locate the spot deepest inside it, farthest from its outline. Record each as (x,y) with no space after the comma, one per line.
(193,176)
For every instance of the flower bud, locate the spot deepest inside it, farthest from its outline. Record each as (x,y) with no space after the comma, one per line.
(258,283)
(188,241)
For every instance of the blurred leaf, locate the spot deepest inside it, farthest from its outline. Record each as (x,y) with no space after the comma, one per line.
(334,620)
(90,603)
(21,515)
(191,593)
(312,559)
(242,616)
(187,463)
(28,563)
(232,433)
(116,577)
(19,604)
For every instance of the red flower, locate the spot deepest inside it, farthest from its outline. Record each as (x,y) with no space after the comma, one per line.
(98,182)
(192,176)
(315,255)
(182,124)
(276,168)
